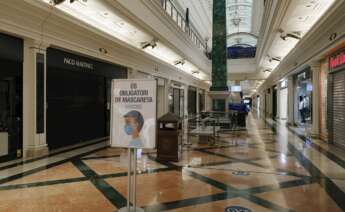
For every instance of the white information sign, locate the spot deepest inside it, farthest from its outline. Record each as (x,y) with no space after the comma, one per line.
(133,113)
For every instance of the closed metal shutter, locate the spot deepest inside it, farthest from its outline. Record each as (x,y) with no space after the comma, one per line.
(338,108)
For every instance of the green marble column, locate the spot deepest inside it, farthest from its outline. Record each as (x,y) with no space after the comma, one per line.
(219,51)
(219,54)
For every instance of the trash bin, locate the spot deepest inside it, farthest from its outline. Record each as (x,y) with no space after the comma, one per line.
(169,142)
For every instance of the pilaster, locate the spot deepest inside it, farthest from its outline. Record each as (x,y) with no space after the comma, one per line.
(197,101)
(315,69)
(291,116)
(34,137)
(185,112)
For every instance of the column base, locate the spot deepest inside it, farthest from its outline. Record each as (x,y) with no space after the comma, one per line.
(315,135)
(219,100)
(36,151)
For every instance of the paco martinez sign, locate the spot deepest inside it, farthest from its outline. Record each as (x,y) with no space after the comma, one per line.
(77,63)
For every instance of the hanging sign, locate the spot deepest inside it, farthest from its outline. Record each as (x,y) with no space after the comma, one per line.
(133,113)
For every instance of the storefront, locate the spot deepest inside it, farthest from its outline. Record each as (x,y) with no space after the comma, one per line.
(336,98)
(192,92)
(202,100)
(78,98)
(267,102)
(303,98)
(11,97)
(176,99)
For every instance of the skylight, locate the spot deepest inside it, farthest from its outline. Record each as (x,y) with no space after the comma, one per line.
(239,22)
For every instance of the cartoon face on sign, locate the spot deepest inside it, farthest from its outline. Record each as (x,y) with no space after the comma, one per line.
(134,122)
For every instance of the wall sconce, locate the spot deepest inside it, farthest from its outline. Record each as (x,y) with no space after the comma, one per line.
(152,44)
(103,50)
(271,59)
(57,2)
(290,35)
(179,62)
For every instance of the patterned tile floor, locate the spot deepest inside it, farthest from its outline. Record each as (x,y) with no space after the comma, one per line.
(267,168)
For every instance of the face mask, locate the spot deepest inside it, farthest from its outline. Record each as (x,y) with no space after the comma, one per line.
(128,129)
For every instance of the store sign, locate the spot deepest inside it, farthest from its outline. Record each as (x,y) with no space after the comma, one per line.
(133,113)
(74,62)
(337,60)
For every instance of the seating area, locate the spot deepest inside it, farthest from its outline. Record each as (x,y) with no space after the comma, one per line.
(207,126)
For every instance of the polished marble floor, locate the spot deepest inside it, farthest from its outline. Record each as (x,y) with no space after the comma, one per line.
(267,168)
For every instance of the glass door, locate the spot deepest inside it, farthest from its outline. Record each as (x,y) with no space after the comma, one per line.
(10,119)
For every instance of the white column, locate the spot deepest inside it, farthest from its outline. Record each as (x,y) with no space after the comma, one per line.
(185,92)
(278,101)
(315,69)
(185,111)
(166,95)
(291,115)
(208,101)
(33,144)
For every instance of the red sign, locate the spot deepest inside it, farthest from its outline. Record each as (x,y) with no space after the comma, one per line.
(336,61)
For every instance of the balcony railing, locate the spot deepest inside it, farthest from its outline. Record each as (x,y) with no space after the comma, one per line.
(181,22)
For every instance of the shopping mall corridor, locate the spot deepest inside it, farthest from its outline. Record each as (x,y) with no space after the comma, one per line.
(267,168)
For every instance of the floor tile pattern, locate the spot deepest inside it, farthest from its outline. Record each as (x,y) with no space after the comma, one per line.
(266,168)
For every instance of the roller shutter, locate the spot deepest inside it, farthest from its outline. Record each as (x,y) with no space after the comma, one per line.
(338,108)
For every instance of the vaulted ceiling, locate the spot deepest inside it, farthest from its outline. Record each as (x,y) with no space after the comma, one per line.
(274,26)
(243,19)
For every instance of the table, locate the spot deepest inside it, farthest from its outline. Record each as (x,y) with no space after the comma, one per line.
(205,133)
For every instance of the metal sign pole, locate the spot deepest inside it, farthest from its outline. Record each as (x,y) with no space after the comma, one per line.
(132,183)
(134,192)
(129,183)
(129,180)
(134,187)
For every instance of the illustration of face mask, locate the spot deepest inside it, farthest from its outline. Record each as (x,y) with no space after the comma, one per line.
(128,129)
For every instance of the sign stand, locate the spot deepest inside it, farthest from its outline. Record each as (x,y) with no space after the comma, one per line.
(132,183)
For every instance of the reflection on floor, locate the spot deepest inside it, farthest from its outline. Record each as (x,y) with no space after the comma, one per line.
(267,168)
